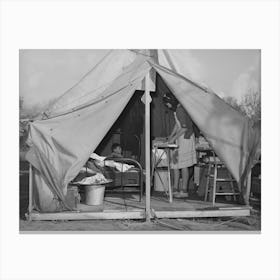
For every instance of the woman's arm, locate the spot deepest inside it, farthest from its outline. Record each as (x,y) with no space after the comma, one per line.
(178,133)
(174,131)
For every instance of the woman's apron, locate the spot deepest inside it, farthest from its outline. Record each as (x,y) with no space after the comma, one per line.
(185,155)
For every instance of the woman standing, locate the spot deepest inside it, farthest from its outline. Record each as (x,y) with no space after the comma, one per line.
(185,155)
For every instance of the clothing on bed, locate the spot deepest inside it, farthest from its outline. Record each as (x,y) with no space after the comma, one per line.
(101,162)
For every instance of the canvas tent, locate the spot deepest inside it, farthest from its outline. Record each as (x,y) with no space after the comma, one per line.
(71,129)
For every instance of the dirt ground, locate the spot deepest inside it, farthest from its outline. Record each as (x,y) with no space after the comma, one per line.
(236,224)
(251,223)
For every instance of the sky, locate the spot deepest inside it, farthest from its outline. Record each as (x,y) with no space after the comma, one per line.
(229,72)
(47,74)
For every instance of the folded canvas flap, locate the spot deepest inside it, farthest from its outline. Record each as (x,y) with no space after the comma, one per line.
(93,83)
(64,143)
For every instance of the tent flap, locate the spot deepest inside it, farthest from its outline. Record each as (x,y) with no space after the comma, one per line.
(228,131)
(63,144)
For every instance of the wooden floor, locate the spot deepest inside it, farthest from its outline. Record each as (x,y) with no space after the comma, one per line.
(158,203)
(128,207)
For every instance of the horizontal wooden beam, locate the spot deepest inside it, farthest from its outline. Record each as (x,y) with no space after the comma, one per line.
(106,215)
(203,213)
(140,214)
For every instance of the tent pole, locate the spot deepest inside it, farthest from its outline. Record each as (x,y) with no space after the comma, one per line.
(147,148)
(30,206)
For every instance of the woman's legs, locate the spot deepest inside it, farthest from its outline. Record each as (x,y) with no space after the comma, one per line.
(176,179)
(191,174)
(185,179)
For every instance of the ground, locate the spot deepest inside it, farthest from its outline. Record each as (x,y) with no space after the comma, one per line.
(251,223)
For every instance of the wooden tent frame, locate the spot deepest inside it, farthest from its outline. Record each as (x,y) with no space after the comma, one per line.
(147,212)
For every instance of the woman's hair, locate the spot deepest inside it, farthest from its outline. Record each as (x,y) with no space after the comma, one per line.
(169,98)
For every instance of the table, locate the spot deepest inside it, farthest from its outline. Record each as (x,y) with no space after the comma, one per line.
(166,147)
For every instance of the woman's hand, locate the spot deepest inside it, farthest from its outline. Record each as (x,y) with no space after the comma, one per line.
(170,140)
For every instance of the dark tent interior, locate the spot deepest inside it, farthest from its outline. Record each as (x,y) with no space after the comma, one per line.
(128,130)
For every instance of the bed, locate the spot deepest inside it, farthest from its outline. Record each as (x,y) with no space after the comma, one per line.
(130,181)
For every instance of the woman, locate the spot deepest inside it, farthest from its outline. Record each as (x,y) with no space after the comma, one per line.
(185,155)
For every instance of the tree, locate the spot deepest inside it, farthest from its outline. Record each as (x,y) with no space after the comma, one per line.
(250,105)
(233,103)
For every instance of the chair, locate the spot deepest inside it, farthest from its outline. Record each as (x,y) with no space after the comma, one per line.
(214,176)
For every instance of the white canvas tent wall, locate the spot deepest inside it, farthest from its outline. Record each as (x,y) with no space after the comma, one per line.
(73,126)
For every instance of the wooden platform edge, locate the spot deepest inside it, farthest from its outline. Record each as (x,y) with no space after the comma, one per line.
(106,215)
(239,212)
(123,215)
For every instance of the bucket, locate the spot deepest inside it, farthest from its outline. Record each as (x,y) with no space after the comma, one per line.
(94,194)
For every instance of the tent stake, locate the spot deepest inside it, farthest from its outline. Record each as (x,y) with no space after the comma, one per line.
(147,148)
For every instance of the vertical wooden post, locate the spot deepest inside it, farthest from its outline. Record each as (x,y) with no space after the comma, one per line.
(147,148)
(30,196)
(169,177)
(248,188)
(215,183)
